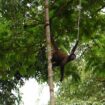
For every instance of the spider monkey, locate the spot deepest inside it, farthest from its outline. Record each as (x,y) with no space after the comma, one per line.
(58,57)
(61,59)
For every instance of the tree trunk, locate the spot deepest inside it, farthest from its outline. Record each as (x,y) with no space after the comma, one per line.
(50,71)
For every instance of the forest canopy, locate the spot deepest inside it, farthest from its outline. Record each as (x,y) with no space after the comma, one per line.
(23,45)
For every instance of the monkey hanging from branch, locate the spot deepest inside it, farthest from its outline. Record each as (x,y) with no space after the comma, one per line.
(61,59)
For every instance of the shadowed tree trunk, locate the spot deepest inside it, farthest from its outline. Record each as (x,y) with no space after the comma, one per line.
(50,72)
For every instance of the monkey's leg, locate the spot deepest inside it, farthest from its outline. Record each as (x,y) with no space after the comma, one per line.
(62,72)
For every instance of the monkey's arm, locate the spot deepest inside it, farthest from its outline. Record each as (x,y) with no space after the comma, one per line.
(54,45)
(74,47)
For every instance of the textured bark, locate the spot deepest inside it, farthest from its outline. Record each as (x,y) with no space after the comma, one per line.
(48,39)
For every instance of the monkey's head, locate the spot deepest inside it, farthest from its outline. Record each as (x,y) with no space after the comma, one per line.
(72,57)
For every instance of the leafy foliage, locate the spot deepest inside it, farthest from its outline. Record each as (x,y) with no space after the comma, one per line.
(23,46)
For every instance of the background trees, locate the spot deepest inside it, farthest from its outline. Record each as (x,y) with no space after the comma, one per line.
(22,43)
